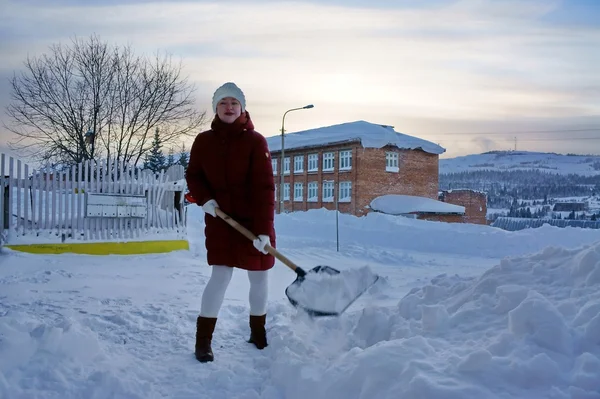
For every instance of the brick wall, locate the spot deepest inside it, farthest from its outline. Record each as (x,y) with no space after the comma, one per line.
(443,218)
(417,175)
(475,204)
(306,177)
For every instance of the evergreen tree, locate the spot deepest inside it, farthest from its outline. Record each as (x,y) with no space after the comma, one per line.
(170,158)
(155,161)
(183,157)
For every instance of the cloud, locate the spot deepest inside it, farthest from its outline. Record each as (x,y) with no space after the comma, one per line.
(468,60)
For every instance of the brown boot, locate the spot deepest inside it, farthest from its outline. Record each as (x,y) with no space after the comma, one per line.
(204,332)
(258,334)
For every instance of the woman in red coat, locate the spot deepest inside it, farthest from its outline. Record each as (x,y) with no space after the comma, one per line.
(230,168)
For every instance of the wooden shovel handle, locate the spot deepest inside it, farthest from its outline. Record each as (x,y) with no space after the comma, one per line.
(252,237)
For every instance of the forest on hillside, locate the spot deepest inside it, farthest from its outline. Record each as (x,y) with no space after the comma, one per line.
(504,187)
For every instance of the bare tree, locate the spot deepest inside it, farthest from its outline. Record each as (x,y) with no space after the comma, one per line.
(91,100)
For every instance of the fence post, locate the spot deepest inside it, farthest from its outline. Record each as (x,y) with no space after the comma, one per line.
(6,203)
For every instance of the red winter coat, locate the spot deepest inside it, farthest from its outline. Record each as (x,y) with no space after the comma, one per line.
(231,164)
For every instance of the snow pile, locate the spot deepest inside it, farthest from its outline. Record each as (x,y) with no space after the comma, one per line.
(377,233)
(527,328)
(331,293)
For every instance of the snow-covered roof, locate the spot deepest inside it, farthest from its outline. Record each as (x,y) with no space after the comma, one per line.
(395,204)
(370,135)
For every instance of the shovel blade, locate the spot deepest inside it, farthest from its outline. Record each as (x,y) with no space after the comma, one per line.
(325,291)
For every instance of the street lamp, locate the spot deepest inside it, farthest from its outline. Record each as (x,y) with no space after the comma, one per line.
(283,153)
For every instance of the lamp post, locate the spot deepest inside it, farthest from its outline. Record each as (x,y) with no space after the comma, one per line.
(283,153)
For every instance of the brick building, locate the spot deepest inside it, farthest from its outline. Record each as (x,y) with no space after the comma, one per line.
(355,162)
(570,207)
(475,203)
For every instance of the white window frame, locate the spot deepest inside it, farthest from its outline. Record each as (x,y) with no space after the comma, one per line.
(328,190)
(345,191)
(391,162)
(312,192)
(286,165)
(286,191)
(274,165)
(313,162)
(328,161)
(345,161)
(298,192)
(298,164)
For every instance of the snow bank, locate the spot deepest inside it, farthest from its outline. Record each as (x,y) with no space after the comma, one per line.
(376,231)
(527,328)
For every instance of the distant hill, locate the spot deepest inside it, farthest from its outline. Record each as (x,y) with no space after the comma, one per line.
(583,165)
(510,175)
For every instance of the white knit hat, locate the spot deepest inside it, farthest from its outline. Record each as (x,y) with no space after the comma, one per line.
(229,89)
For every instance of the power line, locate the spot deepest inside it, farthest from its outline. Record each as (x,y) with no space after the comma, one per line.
(521,139)
(520,132)
(561,139)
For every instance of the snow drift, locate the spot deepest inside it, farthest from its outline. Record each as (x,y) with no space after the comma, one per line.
(527,328)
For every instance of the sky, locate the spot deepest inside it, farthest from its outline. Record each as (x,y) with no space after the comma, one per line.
(459,311)
(470,75)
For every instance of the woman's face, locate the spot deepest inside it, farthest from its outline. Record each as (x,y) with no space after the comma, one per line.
(229,109)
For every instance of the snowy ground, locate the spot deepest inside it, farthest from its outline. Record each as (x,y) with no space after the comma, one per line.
(460,311)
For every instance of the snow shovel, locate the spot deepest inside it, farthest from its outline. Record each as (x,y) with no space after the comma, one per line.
(323,290)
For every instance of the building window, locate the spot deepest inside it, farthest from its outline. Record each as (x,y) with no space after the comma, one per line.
(328,158)
(274,165)
(345,191)
(345,160)
(299,164)
(286,166)
(313,162)
(298,192)
(286,191)
(313,192)
(391,162)
(328,191)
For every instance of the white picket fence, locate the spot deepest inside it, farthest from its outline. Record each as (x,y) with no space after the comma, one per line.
(66,206)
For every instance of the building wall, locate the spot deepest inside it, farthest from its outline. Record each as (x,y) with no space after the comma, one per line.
(475,203)
(570,207)
(305,177)
(443,218)
(417,175)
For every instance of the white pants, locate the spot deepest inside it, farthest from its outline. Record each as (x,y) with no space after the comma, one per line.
(214,293)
